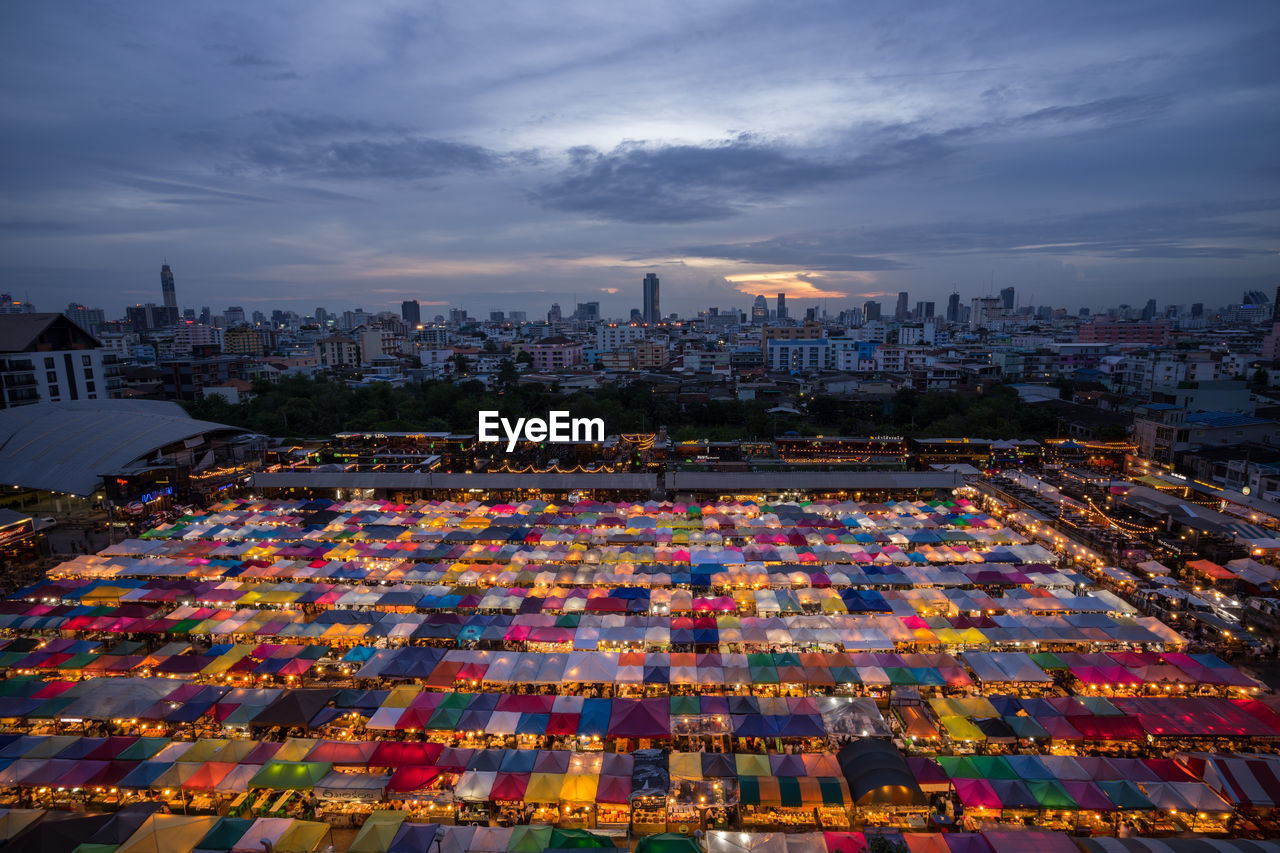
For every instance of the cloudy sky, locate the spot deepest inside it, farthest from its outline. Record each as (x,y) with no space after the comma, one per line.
(502,156)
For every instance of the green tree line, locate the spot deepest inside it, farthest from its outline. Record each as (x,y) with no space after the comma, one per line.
(300,407)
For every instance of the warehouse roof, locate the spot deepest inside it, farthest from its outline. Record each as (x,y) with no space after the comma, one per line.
(67,447)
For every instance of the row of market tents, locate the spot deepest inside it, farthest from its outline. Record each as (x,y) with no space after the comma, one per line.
(852,632)
(424,563)
(412,708)
(140,831)
(439,667)
(325,584)
(319,514)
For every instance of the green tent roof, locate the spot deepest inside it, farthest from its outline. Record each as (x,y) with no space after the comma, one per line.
(225,833)
(290,775)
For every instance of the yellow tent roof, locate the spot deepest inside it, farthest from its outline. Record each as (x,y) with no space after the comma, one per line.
(401,696)
(687,765)
(226,660)
(579,788)
(164,833)
(205,749)
(961,729)
(544,788)
(294,749)
(302,837)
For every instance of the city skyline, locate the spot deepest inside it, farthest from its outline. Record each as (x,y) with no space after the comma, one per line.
(367,156)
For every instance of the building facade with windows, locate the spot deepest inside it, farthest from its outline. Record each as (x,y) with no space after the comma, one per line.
(46,358)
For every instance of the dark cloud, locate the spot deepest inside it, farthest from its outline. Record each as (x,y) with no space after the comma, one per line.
(648,183)
(326,146)
(408,158)
(251,60)
(637,182)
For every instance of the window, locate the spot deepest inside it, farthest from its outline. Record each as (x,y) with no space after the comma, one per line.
(51,376)
(86,360)
(89,386)
(88,373)
(48,362)
(53,391)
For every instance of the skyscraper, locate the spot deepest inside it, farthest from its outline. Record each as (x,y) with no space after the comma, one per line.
(553,315)
(1006,298)
(166,287)
(871,311)
(782,306)
(759,310)
(953,308)
(652,313)
(902,312)
(411,312)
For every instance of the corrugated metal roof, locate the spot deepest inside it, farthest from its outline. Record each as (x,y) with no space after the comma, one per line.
(1223,419)
(67,447)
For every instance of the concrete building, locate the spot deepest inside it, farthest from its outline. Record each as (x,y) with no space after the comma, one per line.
(798,354)
(1107,331)
(338,351)
(555,353)
(46,358)
(612,336)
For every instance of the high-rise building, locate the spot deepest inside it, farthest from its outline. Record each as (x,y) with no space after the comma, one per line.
(652,313)
(554,315)
(902,312)
(953,308)
(9,305)
(89,319)
(149,317)
(234,315)
(782,306)
(411,311)
(870,311)
(924,310)
(166,287)
(759,310)
(589,312)
(1149,311)
(1007,298)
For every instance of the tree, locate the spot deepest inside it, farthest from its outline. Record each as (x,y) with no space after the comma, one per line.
(508,376)
(524,357)
(459,364)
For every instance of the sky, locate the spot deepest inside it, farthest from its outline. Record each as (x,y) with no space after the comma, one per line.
(504,156)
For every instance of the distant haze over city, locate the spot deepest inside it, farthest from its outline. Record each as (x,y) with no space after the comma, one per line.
(503,158)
